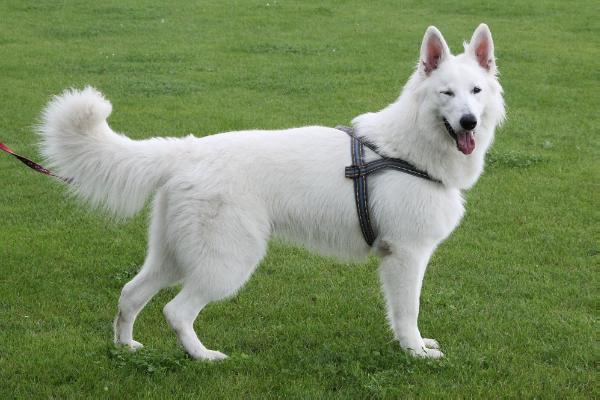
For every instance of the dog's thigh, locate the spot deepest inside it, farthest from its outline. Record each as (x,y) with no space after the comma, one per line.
(208,230)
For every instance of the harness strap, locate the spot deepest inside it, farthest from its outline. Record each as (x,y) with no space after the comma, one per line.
(361,191)
(359,170)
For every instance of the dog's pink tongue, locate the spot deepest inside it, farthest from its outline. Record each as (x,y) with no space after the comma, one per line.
(466,142)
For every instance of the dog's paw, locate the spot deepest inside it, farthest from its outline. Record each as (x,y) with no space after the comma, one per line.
(425,352)
(209,355)
(421,347)
(214,355)
(131,345)
(431,343)
(203,354)
(134,345)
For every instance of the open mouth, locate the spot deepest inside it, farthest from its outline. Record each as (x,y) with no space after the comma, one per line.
(465,140)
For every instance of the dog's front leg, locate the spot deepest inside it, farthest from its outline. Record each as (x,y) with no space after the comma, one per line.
(401,274)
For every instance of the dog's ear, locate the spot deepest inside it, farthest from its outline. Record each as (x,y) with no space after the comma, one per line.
(434,50)
(481,47)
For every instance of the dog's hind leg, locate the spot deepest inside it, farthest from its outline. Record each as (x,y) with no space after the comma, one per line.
(135,295)
(204,287)
(181,313)
(219,256)
(156,273)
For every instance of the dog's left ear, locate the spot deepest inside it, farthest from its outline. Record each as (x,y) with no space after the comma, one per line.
(481,48)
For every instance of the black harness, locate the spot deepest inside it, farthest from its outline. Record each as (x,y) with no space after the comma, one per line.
(359,170)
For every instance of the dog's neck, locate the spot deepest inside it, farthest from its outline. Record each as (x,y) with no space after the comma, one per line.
(406,129)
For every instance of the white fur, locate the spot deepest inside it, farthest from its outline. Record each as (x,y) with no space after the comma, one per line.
(219,199)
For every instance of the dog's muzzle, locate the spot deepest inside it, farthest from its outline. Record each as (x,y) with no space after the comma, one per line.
(465,140)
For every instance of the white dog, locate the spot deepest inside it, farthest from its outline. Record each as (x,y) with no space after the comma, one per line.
(218,199)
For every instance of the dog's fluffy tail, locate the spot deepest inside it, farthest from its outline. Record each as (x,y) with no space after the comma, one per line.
(107,169)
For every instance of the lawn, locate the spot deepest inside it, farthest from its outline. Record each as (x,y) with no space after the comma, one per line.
(512,295)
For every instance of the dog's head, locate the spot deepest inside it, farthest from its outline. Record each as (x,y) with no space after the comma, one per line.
(463,91)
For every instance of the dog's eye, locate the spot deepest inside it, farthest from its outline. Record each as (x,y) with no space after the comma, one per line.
(476,89)
(448,93)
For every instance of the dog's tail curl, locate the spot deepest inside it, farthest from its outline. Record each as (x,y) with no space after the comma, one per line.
(106,169)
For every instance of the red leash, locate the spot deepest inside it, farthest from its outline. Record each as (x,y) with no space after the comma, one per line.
(32,164)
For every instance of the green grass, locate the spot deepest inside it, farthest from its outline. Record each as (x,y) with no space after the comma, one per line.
(512,295)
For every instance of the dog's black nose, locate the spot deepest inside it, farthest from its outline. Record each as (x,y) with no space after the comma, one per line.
(468,122)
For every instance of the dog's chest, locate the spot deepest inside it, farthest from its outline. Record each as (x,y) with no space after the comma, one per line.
(409,208)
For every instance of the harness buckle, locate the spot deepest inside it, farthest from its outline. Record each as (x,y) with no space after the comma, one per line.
(354,171)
